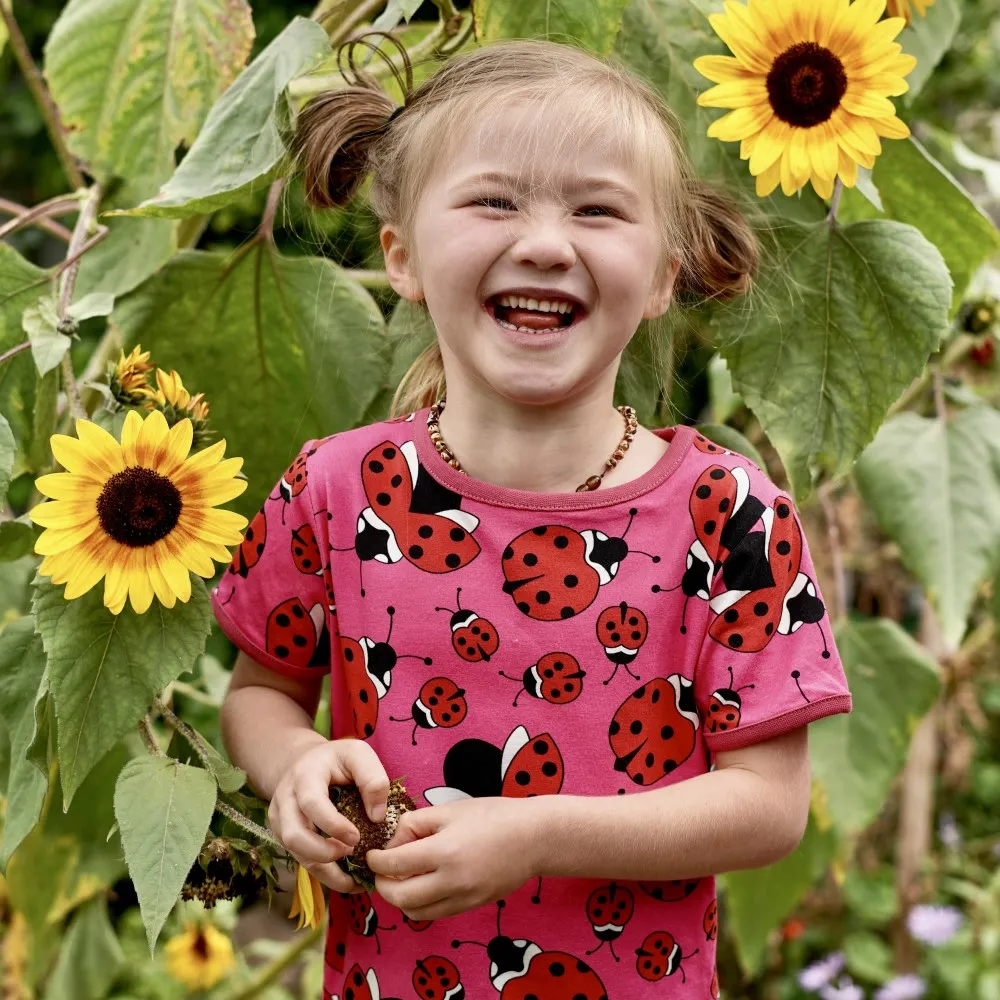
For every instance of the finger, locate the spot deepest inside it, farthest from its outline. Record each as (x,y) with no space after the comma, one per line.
(304,843)
(312,795)
(413,894)
(414,826)
(360,764)
(333,876)
(416,858)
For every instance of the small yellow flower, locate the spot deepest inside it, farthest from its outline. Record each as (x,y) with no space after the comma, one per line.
(901,8)
(171,390)
(308,903)
(130,376)
(199,957)
(198,408)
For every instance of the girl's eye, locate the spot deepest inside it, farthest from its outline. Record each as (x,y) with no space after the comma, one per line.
(489,202)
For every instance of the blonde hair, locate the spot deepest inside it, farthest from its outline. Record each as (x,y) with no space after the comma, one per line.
(345,134)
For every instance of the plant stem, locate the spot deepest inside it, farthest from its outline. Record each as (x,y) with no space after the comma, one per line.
(369,279)
(36,84)
(836,551)
(361,13)
(268,973)
(954,353)
(193,737)
(248,824)
(149,737)
(838,190)
(265,231)
(38,215)
(7,355)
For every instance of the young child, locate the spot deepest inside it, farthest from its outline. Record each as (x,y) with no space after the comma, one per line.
(592,649)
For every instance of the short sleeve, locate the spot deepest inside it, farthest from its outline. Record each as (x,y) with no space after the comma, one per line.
(768,663)
(273,599)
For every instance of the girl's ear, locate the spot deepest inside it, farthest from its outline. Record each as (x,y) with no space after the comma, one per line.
(399,265)
(660,295)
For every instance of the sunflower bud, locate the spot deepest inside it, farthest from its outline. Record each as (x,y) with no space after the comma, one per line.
(228,869)
(127,377)
(978,315)
(176,403)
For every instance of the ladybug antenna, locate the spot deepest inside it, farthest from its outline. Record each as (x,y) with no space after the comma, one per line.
(456,942)
(391,611)
(361,565)
(458,598)
(649,555)
(826,652)
(631,514)
(795,677)
(732,681)
(746,687)
(657,589)
(414,656)
(537,898)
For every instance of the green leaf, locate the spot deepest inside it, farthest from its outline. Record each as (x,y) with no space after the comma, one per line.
(240,148)
(868,957)
(723,401)
(92,304)
(758,900)
(934,488)
(8,453)
(48,345)
(872,896)
(284,348)
(590,24)
(104,669)
(163,810)
(856,757)
(845,318)
(90,957)
(22,687)
(134,79)
(17,537)
(19,285)
(928,38)
(3,27)
(228,777)
(732,439)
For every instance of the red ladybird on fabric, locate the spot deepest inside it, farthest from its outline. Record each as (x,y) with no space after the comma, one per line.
(411,515)
(368,671)
(473,768)
(703,444)
(416,925)
(609,909)
(653,731)
(294,481)
(553,572)
(521,970)
(249,551)
(364,919)
(440,704)
(298,636)
(339,923)
(621,630)
(437,978)
(724,706)
(305,550)
(555,678)
(670,890)
(472,636)
(358,986)
(710,922)
(660,955)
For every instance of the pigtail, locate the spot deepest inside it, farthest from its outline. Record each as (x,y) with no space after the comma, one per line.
(422,384)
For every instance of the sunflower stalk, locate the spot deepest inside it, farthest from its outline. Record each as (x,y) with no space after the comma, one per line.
(248,824)
(40,215)
(193,737)
(268,973)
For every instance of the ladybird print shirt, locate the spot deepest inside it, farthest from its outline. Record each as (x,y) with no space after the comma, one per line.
(489,641)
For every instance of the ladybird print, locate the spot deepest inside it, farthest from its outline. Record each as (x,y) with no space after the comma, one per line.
(660,955)
(441,703)
(473,637)
(710,922)
(294,480)
(338,928)
(708,447)
(437,978)
(358,986)
(368,669)
(670,890)
(724,706)
(364,919)
(609,909)
(553,572)
(410,515)
(621,630)
(305,550)
(527,766)
(555,678)
(416,925)
(653,731)
(297,636)
(248,552)
(520,970)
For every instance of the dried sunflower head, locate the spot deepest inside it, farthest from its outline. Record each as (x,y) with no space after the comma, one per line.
(228,868)
(374,836)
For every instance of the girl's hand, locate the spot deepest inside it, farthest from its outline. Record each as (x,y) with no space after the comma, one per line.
(301,805)
(447,859)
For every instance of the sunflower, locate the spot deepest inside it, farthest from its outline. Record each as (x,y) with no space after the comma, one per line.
(810,83)
(177,403)
(200,956)
(308,903)
(139,514)
(901,8)
(127,378)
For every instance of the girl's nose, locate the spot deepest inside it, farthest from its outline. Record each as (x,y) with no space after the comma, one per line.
(545,245)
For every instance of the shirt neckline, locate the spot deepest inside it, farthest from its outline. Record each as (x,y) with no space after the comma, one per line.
(680,437)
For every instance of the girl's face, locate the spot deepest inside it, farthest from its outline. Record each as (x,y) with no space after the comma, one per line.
(534,224)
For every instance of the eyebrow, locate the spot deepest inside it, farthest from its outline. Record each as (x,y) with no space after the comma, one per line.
(577,184)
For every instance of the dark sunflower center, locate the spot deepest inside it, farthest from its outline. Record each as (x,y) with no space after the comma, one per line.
(138,507)
(805,84)
(201,945)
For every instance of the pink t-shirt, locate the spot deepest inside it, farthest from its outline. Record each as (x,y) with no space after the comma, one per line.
(489,641)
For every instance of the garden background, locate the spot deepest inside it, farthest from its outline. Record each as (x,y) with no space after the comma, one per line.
(877,407)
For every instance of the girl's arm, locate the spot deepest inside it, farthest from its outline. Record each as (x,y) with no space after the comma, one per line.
(751,811)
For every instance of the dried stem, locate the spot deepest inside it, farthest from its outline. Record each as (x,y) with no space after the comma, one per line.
(36,84)
(248,824)
(7,355)
(940,408)
(265,231)
(193,737)
(836,550)
(147,734)
(954,353)
(362,13)
(39,215)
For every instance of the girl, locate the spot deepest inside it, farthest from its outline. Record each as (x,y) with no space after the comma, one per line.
(592,649)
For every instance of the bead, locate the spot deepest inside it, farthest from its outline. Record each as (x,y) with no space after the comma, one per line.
(593,482)
(618,455)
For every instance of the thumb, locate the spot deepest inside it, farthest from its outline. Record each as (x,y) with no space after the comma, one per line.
(367,772)
(414,825)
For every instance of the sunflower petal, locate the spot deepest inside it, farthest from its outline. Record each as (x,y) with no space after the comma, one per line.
(867,105)
(848,170)
(67,486)
(63,513)
(734,94)
(768,180)
(88,572)
(130,436)
(739,44)
(151,444)
(740,123)
(164,593)
(891,128)
(55,540)
(179,439)
(140,590)
(723,69)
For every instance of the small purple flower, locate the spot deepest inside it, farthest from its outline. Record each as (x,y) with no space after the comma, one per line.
(814,977)
(846,989)
(909,987)
(933,924)
(949,833)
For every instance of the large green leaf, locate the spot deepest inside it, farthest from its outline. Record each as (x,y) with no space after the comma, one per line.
(90,957)
(23,686)
(591,24)
(845,318)
(134,79)
(8,453)
(916,189)
(104,669)
(284,348)
(758,900)
(928,38)
(855,757)
(163,810)
(240,148)
(21,284)
(934,488)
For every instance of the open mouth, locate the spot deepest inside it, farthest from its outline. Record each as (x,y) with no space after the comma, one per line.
(501,314)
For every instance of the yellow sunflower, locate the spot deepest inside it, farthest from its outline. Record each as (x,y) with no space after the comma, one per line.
(200,956)
(128,377)
(139,513)
(901,8)
(809,83)
(308,903)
